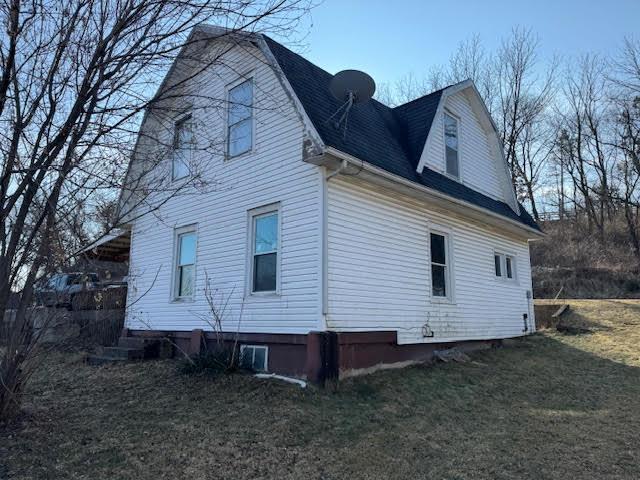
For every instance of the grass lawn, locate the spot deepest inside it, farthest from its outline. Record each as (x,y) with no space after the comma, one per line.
(552,406)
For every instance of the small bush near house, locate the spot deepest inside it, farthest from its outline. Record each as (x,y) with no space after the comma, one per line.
(221,359)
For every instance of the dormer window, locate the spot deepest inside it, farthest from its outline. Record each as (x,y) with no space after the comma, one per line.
(452,157)
(182,143)
(240,119)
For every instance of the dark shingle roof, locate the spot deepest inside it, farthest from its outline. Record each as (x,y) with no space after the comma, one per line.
(389,138)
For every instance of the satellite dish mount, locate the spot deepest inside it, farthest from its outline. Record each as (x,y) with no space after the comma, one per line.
(351,87)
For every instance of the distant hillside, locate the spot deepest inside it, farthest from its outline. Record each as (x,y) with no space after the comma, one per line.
(574,262)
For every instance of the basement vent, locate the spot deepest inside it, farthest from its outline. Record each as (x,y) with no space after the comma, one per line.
(254,357)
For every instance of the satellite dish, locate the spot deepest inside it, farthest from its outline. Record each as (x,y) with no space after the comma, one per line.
(352,86)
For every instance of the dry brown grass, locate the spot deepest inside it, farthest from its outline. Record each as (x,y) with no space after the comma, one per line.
(615,325)
(549,407)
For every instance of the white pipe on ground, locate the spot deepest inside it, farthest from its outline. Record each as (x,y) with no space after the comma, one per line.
(302,383)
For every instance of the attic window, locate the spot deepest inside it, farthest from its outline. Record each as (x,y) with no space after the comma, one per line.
(240,119)
(452,159)
(182,143)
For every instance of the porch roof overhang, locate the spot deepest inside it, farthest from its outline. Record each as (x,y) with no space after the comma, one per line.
(113,246)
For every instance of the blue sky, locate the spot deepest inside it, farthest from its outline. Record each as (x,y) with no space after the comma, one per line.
(389,39)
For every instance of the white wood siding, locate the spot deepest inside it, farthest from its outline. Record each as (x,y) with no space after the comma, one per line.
(379,269)
(478,168)
(272,172)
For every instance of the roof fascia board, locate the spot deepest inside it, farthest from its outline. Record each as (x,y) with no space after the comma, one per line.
(317,145)
(465,209)
(477,103)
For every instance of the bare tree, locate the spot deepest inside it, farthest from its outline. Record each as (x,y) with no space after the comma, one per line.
(469,61)
(586,112)
(535,147)
(76,77)
(406,88)
(523,98)
(627,67)
(472,61)
(626,79)
(626,138)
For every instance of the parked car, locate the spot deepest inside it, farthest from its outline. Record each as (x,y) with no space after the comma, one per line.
(59,289)
(123,282)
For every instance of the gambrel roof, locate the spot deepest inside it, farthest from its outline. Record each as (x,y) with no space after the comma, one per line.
(392,139)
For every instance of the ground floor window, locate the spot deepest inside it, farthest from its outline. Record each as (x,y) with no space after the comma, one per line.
(185,263)
(264,249)
(504,266)
(440,277)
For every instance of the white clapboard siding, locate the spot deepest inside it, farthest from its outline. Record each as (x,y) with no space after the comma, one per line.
(478,168)
(379,270)
(272,172)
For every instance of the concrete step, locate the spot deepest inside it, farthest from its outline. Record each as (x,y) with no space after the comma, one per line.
(123,353)
(97,360)
(138,342)
(153,347)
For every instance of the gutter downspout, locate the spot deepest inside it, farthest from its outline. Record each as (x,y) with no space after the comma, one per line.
(326,176)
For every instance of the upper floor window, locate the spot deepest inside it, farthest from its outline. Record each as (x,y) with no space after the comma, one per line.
(185,263)
(182,144)
(452,157)
(264,250)
(240,119)
(440,283)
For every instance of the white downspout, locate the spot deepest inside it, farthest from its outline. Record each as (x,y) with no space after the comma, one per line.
(325,240)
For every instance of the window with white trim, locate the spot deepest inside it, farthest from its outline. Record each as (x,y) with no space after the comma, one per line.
(497,260)
(264,246)
(440,272)
(452,158)
(185,263)
(240,119)
(505,266)
(254,357)
(508,261)
(182,145)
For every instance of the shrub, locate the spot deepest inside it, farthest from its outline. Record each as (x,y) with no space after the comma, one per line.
(221,359)
(631,285)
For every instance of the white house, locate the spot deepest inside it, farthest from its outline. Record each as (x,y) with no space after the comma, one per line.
(336,249)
